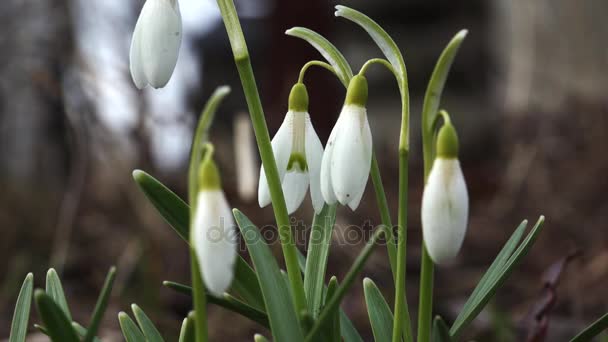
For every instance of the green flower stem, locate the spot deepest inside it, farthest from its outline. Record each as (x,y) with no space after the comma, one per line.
(243,64)
(385,215)
(200,301)
(380,61)
(314,63)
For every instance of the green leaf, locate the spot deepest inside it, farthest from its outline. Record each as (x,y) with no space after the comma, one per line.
(56,323)
(496,275)
(333,323)
(55,290)
(101,305)
(129,329)
(82,331)
(187,333)
(593,330)
(41,329)
(380,315)
(316,261)
(440,331)
(227,302)
(284,323)
(333,302)
(381,38)
(259,338)
(432,97)
(21,315)
(145,324)
(327,50)
(177,213)
(347,329)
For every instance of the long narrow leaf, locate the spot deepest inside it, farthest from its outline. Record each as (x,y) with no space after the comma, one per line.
(380,315)
(316,261)
(129,329)
(55,290)
(187,332)
(440,331)
(592,330)
(327,50)
(496,278)
(333,323)
(82,331)
(145,324)
(177,214)
(279,307)
(432,97)
(227,302)
(56,323)
(333,302)
(21,315)
(101,305)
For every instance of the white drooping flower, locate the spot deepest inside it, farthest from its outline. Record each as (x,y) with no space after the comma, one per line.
(348,153)
(155,43)
(445,201)
(214,232)
(297,152)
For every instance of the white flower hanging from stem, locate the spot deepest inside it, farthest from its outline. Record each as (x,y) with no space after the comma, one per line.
(348,154)
(214,230)
(155,44)
(445,202)
(298,152)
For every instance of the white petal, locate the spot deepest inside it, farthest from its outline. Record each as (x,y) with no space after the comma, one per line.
(295,185)
(445,210)
(161,37)
(314,155)
(281,147)
(135,59)
(215,240)
(327,189)
(351,158)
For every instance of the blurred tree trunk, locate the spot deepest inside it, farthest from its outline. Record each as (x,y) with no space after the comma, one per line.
(555,52)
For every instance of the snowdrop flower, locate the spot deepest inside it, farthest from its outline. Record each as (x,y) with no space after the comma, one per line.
(155,43)
(445,201)
(213,232)
(297,152)
(348,154)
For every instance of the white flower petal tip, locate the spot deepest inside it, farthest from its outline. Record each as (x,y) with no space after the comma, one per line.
(155,43)
(215,240)
(347,159)
(298,153)
(445,210)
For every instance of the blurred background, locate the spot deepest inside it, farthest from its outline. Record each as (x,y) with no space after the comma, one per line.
(527,92)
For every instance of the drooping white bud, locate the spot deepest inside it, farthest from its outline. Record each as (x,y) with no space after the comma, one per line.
(445,201)
(155,43)
(348,155)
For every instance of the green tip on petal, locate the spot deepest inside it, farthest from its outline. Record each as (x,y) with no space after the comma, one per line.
(297,162)
(357,91)
(447,142)
(298,98)
(208,176)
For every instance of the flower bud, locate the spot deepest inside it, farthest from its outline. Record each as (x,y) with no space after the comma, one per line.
(445,201)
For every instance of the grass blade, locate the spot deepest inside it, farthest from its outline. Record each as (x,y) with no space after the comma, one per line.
(281,314)
(187,332)
(592,330)
(145,324)
(316,261)
(496,275)
(380,315)
(333,56)
(227,302)
(21,315)
(333,302)
(100,306)
(440,331)
(177,214)
(55,321)
(55,290)
(129,329)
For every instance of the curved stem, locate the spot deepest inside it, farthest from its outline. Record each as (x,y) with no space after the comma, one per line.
(243,65)
(314,63)
(380,61)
